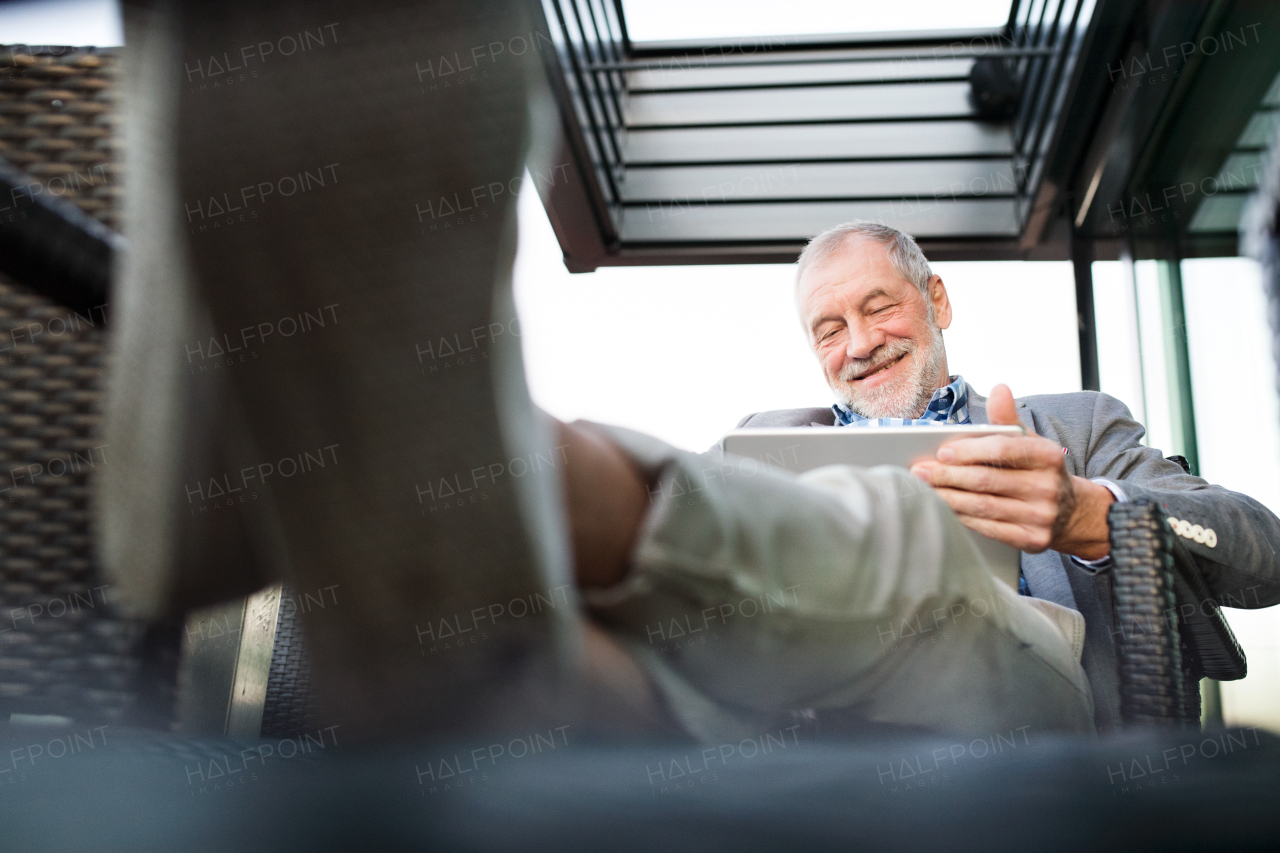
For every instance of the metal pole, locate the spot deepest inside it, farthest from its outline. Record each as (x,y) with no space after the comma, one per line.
(1182,414)
(1082,264)
(1182,417)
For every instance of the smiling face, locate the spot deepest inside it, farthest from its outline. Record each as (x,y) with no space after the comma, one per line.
(877,337)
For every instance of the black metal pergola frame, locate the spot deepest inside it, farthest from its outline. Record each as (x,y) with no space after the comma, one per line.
(1108,112)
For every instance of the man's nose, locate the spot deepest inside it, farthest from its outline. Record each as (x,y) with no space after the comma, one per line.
(863,341)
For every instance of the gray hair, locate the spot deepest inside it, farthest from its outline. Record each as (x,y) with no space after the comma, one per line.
(905,256)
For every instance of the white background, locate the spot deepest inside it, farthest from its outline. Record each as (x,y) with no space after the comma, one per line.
(653,20)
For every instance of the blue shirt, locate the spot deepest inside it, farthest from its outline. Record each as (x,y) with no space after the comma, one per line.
(948,405)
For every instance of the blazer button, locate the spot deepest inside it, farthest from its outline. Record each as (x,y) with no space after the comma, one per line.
(1201,535)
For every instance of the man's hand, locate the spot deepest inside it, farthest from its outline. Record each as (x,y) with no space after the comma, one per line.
(1017,490)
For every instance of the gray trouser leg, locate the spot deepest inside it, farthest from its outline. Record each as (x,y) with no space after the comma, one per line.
(315,373)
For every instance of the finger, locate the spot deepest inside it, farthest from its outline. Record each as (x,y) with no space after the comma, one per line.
(1014,535)
(1002,451)
(924,469)
(1028,486)
(1000,406)
(999,508)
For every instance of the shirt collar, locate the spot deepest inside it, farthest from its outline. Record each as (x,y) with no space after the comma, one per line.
(948,405)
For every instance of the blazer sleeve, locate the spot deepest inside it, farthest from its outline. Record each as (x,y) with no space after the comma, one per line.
(1242,567)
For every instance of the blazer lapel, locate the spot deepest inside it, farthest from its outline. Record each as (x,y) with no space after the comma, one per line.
(977,406)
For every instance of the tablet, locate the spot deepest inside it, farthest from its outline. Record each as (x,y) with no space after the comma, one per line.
(801,449)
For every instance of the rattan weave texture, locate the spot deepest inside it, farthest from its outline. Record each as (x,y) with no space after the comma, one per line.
(63,648)
(57,124)
(289,708)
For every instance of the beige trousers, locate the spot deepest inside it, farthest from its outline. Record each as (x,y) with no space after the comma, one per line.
(854,593)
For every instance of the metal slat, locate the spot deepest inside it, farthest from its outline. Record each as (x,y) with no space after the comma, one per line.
(1022,33)
(688,76)
(1220,213)
(607,27)
(1022,37)
(796,181)
(597,53)
(791,222)
(1241,171)
(589,103)
(1257,132)
(1040,81)
(779,106)
(818,142)
(1072,39)
(711,57)
(605,121)
(1037,108)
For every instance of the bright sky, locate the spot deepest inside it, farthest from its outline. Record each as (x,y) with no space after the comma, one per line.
(78,23)
(97,22)
(653,20)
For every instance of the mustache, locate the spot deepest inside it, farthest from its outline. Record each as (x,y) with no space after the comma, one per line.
(885,354)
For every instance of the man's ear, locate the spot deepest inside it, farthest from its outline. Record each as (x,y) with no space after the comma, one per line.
(941,302)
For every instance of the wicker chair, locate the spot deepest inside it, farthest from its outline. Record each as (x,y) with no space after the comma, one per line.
(1163,647)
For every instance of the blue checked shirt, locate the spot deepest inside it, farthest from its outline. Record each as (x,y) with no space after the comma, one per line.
(949,405)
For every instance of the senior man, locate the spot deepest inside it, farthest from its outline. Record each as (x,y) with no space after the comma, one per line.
(874,313)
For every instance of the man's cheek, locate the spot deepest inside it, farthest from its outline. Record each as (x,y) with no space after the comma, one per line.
(832,361)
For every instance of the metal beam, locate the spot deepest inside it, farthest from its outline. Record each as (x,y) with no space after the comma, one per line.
(226,661)
(1177,362)
(1086,326)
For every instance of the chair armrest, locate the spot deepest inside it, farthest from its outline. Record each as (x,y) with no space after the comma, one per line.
(1148,644)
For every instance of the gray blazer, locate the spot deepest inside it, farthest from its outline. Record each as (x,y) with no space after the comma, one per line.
(1103,440)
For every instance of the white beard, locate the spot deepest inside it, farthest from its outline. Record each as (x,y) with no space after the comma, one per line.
(906,398)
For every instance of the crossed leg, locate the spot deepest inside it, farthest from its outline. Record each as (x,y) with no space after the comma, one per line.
(745,595)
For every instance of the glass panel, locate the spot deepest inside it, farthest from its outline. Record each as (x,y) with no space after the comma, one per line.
(1227,327)
(1218,213)
(817,142)
(666,20)
(1154,364)
(1240,173)
(932,178)
(987,295)
(1258,131)
(1119,354)
(828,103)
(694,73)
(800,221)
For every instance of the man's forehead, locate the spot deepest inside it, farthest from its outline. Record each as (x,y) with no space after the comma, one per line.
(857,263)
